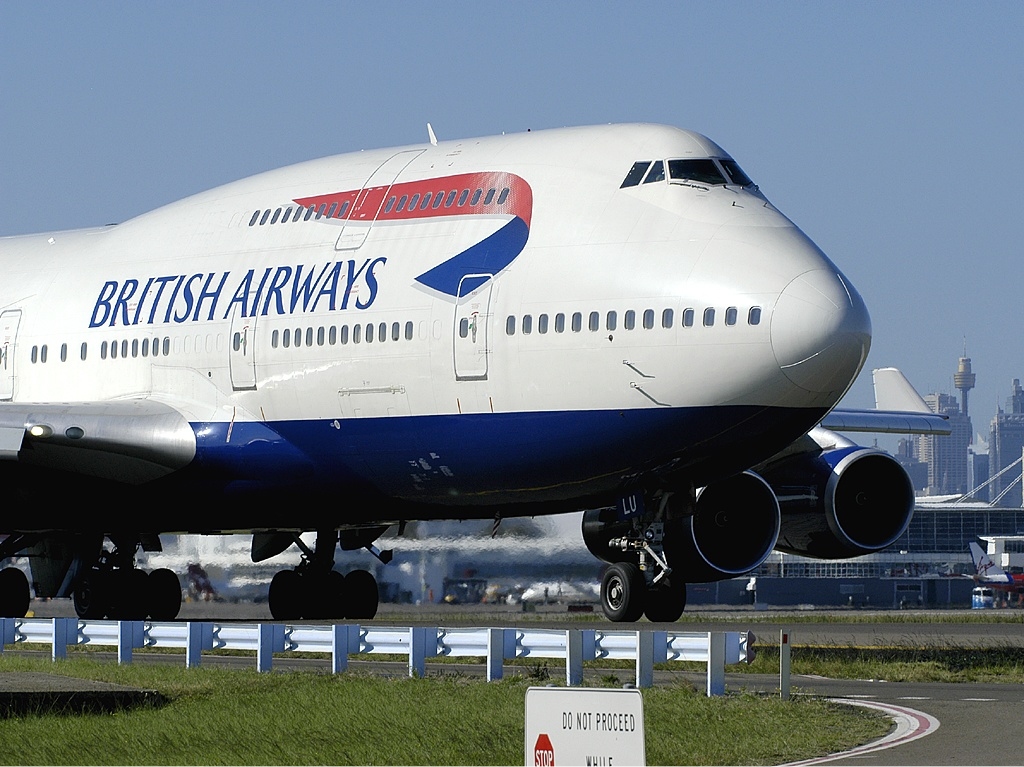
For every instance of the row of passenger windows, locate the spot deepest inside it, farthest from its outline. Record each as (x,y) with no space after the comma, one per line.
(136,347)
(395,204)
(611,320)
(339,335)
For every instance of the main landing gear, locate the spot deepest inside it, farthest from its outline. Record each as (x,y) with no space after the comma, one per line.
(14,593)
(114,588)
(316,591)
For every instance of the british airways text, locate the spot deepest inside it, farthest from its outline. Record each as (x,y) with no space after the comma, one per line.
(336,286)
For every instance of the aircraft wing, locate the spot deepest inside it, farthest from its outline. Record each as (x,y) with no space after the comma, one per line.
(129,440)
(899,409)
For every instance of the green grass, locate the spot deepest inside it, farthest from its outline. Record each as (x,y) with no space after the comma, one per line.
(231,716)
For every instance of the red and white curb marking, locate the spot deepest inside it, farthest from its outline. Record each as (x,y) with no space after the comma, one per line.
(911,724)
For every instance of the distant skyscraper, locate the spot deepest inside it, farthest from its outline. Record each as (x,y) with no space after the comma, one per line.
(1005,446)
(946,456)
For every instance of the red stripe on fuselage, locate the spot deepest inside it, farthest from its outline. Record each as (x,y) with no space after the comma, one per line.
(382,203)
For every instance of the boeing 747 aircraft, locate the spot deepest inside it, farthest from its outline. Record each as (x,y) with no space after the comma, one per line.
(609,318)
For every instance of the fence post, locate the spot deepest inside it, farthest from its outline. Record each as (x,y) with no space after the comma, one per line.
(7,632)
(716,663)
(644,659)
(130,634)
(495,654)
(269,640)
(573,657)
(62,627)
(198,636)
(784,637)
(418,650)
(340,637)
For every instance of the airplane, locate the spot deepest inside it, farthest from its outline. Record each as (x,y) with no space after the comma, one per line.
(609,318)
(988,572)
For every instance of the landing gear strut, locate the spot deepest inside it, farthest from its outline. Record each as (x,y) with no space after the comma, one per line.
(639,580)
(315,590)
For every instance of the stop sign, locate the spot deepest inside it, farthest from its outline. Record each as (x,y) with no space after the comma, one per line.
(543,752)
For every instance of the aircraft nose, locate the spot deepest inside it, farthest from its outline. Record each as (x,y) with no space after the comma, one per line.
(820,332)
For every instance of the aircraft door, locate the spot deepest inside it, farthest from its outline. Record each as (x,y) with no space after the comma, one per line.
(371,199)
(242,351)
(9,322)
(472,327)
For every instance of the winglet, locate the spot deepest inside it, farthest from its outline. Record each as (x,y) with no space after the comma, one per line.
(894,392)
(430,133)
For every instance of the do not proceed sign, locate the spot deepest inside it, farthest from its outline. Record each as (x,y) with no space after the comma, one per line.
(598,728)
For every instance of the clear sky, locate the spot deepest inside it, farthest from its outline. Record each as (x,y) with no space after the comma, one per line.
(890,132)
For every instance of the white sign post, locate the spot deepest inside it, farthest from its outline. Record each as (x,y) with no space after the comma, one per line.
(601,728)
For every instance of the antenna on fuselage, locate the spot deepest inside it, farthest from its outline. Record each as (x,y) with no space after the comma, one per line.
(430,133)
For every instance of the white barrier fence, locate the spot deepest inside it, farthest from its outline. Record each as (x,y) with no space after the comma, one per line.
(646,648)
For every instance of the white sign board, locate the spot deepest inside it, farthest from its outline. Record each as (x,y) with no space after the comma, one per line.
(573,725)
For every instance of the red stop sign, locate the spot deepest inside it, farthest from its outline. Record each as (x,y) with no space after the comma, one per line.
(543,752)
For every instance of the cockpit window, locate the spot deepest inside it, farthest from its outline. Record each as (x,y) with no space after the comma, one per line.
(636,173)
(736,175)
(701,171)
(657,172)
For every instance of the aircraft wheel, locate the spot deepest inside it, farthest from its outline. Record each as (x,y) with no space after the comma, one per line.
(164,595)
(14,593)
(89,595)
(129,594)
(363,598)
(335,595)
(622,592)
(665,602)
(285,592)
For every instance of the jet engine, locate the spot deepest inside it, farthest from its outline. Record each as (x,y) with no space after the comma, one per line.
(841,503)
(732,530)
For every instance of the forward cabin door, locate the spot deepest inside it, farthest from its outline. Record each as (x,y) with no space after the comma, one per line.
(242,351)
(9,322)
(472,327)
(370,200)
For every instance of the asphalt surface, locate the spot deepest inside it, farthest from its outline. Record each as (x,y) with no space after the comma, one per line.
(965,723)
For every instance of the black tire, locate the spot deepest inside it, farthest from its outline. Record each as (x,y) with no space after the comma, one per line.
(362,595)
(14,593)
(665,602)
(284,596)
(622,592)
(90,595)
(335,596)
(128,595)
(164,595)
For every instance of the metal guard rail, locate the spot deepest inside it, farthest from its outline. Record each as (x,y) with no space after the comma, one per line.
(646,648)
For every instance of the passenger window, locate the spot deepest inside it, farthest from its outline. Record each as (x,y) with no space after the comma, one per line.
(594,321)
(635,174)
(754,315)
(390,205)
(401,203)
(343,211)
(657,172)
(559,323)
(42,353)
(396,331)
(286,338)
(510,325)
(412,202)
(476,196)
(266,215)
(330,210)
(730,315)
(309,213)
(464,327)
(298,337)
(527,324)
(408,330)
(687,318)
(611,320)
(629,321)
(135,347)
(503,196)
(426,201)
(103,350)
(648,319)
(382,332)
(490,197)
(63,352)
(145,347)
(274,339)
(332,335)
(309,336)
(320,336)
(438,199)
(321,210)
(463,196)
(451,198)
(577,322)
(236,342)
(357,333)
(85,351)
(113,351)
(277,215)
(167,346)
(124,348)
(709,317)
(255,216)
(344,335)
(667,318)
(369,332)
(35,354)
(542,324)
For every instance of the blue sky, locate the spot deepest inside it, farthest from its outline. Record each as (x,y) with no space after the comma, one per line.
(889,132)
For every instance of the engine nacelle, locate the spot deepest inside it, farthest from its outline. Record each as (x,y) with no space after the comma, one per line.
(841,503)
(732,530)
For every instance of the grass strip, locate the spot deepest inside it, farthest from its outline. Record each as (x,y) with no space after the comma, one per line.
(230,716)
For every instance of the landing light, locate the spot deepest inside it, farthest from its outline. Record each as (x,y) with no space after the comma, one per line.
(40,430)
